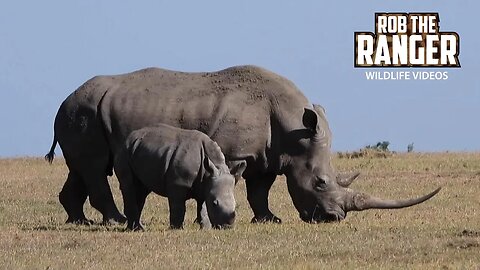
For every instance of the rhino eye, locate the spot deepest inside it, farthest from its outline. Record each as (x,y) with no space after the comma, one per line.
(320,184)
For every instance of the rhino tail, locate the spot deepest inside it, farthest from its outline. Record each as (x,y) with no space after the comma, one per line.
(50,155)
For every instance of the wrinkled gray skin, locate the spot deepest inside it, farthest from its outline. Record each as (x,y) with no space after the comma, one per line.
(178,164)
(253,114)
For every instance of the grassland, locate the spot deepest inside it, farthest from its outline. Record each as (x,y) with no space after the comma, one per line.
(443,233)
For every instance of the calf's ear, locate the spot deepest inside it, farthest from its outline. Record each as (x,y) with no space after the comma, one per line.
(310,120)
(238,169)
(210,167)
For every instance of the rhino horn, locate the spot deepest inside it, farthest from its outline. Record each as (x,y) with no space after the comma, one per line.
(358,201)
(346,180)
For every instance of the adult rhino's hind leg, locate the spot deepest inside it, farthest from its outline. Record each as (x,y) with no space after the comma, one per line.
(100,194)
(72,198)
(88,177)
(257,196)
(79,132)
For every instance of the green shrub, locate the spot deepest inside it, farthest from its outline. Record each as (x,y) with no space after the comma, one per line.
(379,150)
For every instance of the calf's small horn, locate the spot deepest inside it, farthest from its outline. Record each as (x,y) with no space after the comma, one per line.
(360,201)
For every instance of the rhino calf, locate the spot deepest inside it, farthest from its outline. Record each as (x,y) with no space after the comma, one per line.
(178,164)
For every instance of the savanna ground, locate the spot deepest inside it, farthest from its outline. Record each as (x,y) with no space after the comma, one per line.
(441,233)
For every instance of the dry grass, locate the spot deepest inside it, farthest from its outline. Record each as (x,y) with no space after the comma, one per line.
(441,233)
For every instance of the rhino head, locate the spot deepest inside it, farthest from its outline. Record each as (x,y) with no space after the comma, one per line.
(318,192)
(219,194)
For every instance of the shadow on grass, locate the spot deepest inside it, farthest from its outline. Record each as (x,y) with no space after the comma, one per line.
(97,227)
(469,233)
(463,244)
(465,240)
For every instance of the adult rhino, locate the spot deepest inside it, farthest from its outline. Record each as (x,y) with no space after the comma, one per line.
(253,114)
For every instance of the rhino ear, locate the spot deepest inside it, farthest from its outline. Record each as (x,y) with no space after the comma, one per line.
(310,120)
(210,167)
(238,169)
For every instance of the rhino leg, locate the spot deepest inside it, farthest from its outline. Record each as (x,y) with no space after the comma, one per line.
(257,196)
(176,202)
(198,219)
(131,206)
(101,197)
(202,216)
(141,194)
(90,178)
(85,148)
(72,197)
(133,200)
(130,202)
(131,188)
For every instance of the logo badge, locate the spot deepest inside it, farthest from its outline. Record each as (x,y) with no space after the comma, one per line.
(407,40)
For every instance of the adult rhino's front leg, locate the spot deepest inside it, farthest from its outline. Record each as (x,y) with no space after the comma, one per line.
(257,196)
(202,215)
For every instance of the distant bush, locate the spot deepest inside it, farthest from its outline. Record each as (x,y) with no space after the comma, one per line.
(379,150)
(381,146)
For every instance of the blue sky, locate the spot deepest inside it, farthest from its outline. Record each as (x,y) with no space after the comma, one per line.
(49,48)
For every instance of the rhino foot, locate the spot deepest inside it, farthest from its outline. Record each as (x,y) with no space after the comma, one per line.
(118,220)
(269,218)
(204,224)
(135,226)
(80,221)
(176,227)
(136,229)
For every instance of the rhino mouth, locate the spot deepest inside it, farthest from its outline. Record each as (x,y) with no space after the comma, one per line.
(319,216)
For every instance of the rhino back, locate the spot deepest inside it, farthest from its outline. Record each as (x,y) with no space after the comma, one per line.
(235,107)
(163,155)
